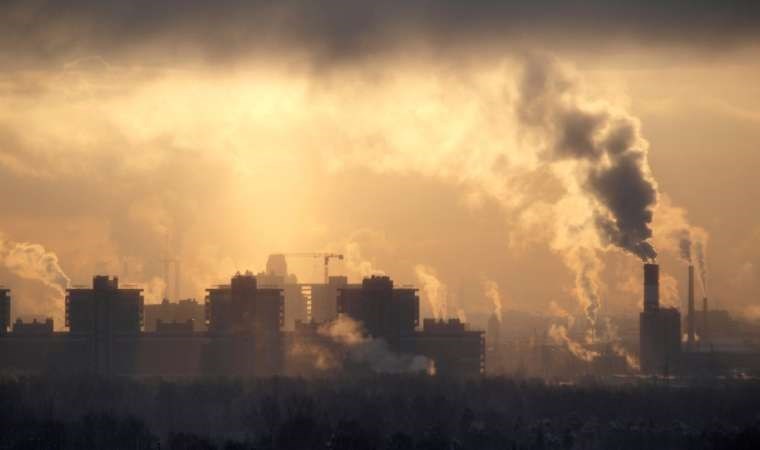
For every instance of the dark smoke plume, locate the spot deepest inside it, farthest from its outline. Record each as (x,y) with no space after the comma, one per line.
(618,179)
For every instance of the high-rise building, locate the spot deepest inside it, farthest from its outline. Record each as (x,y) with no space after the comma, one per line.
(247,321)
(105,308)
(102,314)
(243,308)
(384,311)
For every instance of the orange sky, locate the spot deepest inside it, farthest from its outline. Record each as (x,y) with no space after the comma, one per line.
(404,157)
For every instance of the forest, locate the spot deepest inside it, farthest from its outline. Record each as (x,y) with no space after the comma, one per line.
(382,412)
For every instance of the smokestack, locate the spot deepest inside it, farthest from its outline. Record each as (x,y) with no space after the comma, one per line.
(651,287)
(177,280)
(690,323)
(704,319)
(166,278)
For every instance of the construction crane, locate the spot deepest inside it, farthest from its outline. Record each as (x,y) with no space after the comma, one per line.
(326,257)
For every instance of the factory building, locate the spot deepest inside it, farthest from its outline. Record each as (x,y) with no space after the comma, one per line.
(659,328)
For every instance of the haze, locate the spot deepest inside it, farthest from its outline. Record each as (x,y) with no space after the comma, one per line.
(397,135)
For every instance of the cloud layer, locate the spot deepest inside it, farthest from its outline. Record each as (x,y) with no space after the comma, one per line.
(41,32)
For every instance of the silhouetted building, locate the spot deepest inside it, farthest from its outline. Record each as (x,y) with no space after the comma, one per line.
(33,328)
(277,265)
(105,308)
(659,328)
(247,322)
(384,311)
(180,311)
(104,315)
(493,342)
(5,310)
(455,350)
(245,336)
(243,307)
(175,327)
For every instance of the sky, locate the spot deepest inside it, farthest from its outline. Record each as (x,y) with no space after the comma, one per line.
(544,148)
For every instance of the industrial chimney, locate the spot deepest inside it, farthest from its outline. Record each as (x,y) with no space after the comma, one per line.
(704,318)
(690,323)
(651,287)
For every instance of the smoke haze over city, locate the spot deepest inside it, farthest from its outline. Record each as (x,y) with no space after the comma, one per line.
(467,139)
(402,224)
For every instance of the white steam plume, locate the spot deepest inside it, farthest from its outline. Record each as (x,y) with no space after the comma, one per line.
(700,251)
(559,335)
(612,336)
(433,289)
(373,352)
(491,290)
(33,262)
(153,290)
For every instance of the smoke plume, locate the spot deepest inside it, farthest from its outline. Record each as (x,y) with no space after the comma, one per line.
(33,262)
(434,291)
(373,352)
(610,156)
(700,250)
(559,335)
(491,290)
(612,336)
(153,290)
(556,311)
(355,247)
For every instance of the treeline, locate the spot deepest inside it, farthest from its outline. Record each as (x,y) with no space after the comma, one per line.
(388,412)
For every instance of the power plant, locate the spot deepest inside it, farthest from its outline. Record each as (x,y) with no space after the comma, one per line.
(659,328)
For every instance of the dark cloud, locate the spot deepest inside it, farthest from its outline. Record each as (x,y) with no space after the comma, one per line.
(35,32)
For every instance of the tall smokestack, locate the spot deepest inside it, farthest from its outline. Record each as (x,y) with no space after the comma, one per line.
(177,280)
(690,323)
(704,318)
(651,287)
